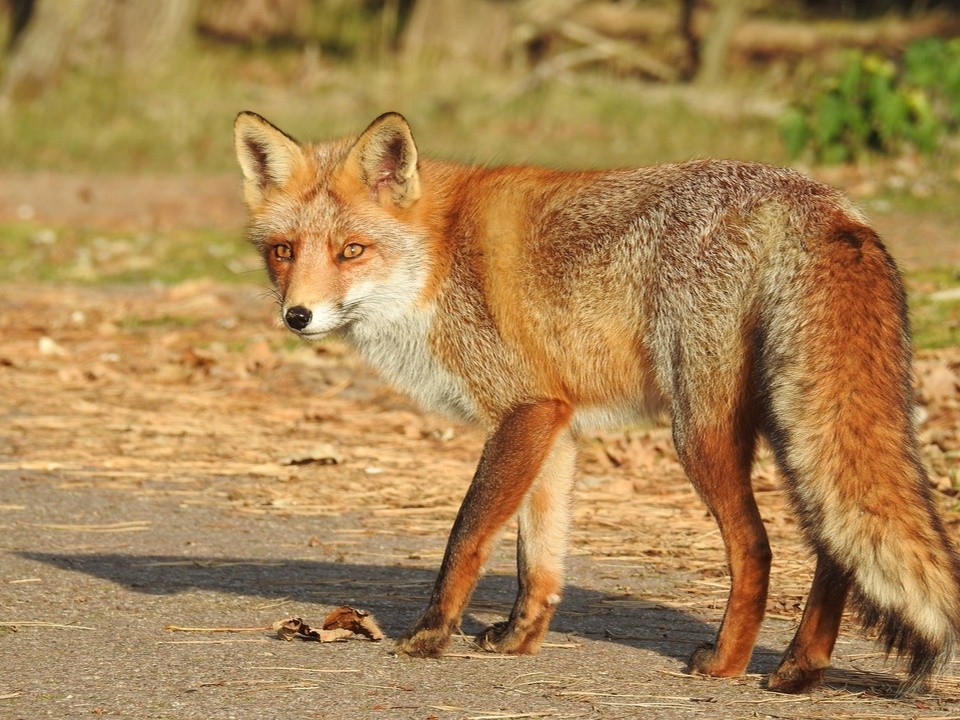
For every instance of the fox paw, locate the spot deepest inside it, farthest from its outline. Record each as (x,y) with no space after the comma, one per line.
(702,660)
(422,643)
(707,661)
(791,677)
(492,638)
(505,637)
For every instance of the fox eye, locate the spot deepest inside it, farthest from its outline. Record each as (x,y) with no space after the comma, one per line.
(282,251)
(351,251)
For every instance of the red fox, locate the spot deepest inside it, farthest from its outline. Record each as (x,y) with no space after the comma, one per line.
(749,301)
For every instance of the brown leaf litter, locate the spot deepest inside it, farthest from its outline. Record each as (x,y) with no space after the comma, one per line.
(340,624)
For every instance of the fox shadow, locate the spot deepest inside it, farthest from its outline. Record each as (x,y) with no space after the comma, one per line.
(396,595)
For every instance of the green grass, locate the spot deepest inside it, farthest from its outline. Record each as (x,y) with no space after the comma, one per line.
(34,252)
(179,117)
(935,321)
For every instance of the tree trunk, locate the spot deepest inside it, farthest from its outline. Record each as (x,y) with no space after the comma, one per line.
(150,30)
(690,61)
(252,21)
(98,35)
(716,44)
(473,31)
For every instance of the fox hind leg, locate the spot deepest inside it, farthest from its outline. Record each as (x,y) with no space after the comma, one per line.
(718,463)
(544,520)
(808,654)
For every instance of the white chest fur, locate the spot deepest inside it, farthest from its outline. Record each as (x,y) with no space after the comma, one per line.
(399,349)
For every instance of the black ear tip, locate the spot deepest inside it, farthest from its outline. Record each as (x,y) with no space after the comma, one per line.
(258,123)
(391,119)
(244,115)
(391,115)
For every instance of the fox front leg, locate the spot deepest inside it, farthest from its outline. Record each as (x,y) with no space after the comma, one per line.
(544,521)
(511,461)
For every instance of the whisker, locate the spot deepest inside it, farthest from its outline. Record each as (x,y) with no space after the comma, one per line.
(271,292)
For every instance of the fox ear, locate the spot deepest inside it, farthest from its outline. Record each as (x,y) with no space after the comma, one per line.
(268,156)
(384,160)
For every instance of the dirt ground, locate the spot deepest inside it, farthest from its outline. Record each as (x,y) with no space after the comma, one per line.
(176,474)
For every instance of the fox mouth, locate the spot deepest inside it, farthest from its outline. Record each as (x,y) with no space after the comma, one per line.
(311,334)
(308,334)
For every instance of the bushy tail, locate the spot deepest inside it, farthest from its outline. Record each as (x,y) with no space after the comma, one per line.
(835,364)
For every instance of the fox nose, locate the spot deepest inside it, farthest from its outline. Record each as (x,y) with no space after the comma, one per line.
(298,317)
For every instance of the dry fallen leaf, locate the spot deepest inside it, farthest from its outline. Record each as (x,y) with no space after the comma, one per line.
(260,356)
(321,454)
(50,347)
(939,382)
(360,622)
(342,623)
(295,627)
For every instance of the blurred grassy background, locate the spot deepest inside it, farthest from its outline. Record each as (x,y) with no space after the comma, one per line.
(116,88)
(332,72)
(571,83)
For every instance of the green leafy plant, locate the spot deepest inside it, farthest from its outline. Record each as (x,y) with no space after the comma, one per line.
(934,65)
(874,105)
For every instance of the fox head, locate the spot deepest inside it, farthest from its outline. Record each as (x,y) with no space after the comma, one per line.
(333,222)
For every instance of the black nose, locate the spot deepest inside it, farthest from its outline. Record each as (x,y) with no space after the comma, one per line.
(298,317)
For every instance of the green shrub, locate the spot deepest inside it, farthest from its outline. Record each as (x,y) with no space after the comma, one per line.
(934,65)
(876,106)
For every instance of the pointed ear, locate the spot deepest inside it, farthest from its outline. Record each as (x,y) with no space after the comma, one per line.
(384,160)
(268,156)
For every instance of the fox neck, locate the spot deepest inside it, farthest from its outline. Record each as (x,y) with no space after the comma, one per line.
(399,348)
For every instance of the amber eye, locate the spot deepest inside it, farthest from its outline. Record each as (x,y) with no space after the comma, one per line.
(282,251)
(352,250)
